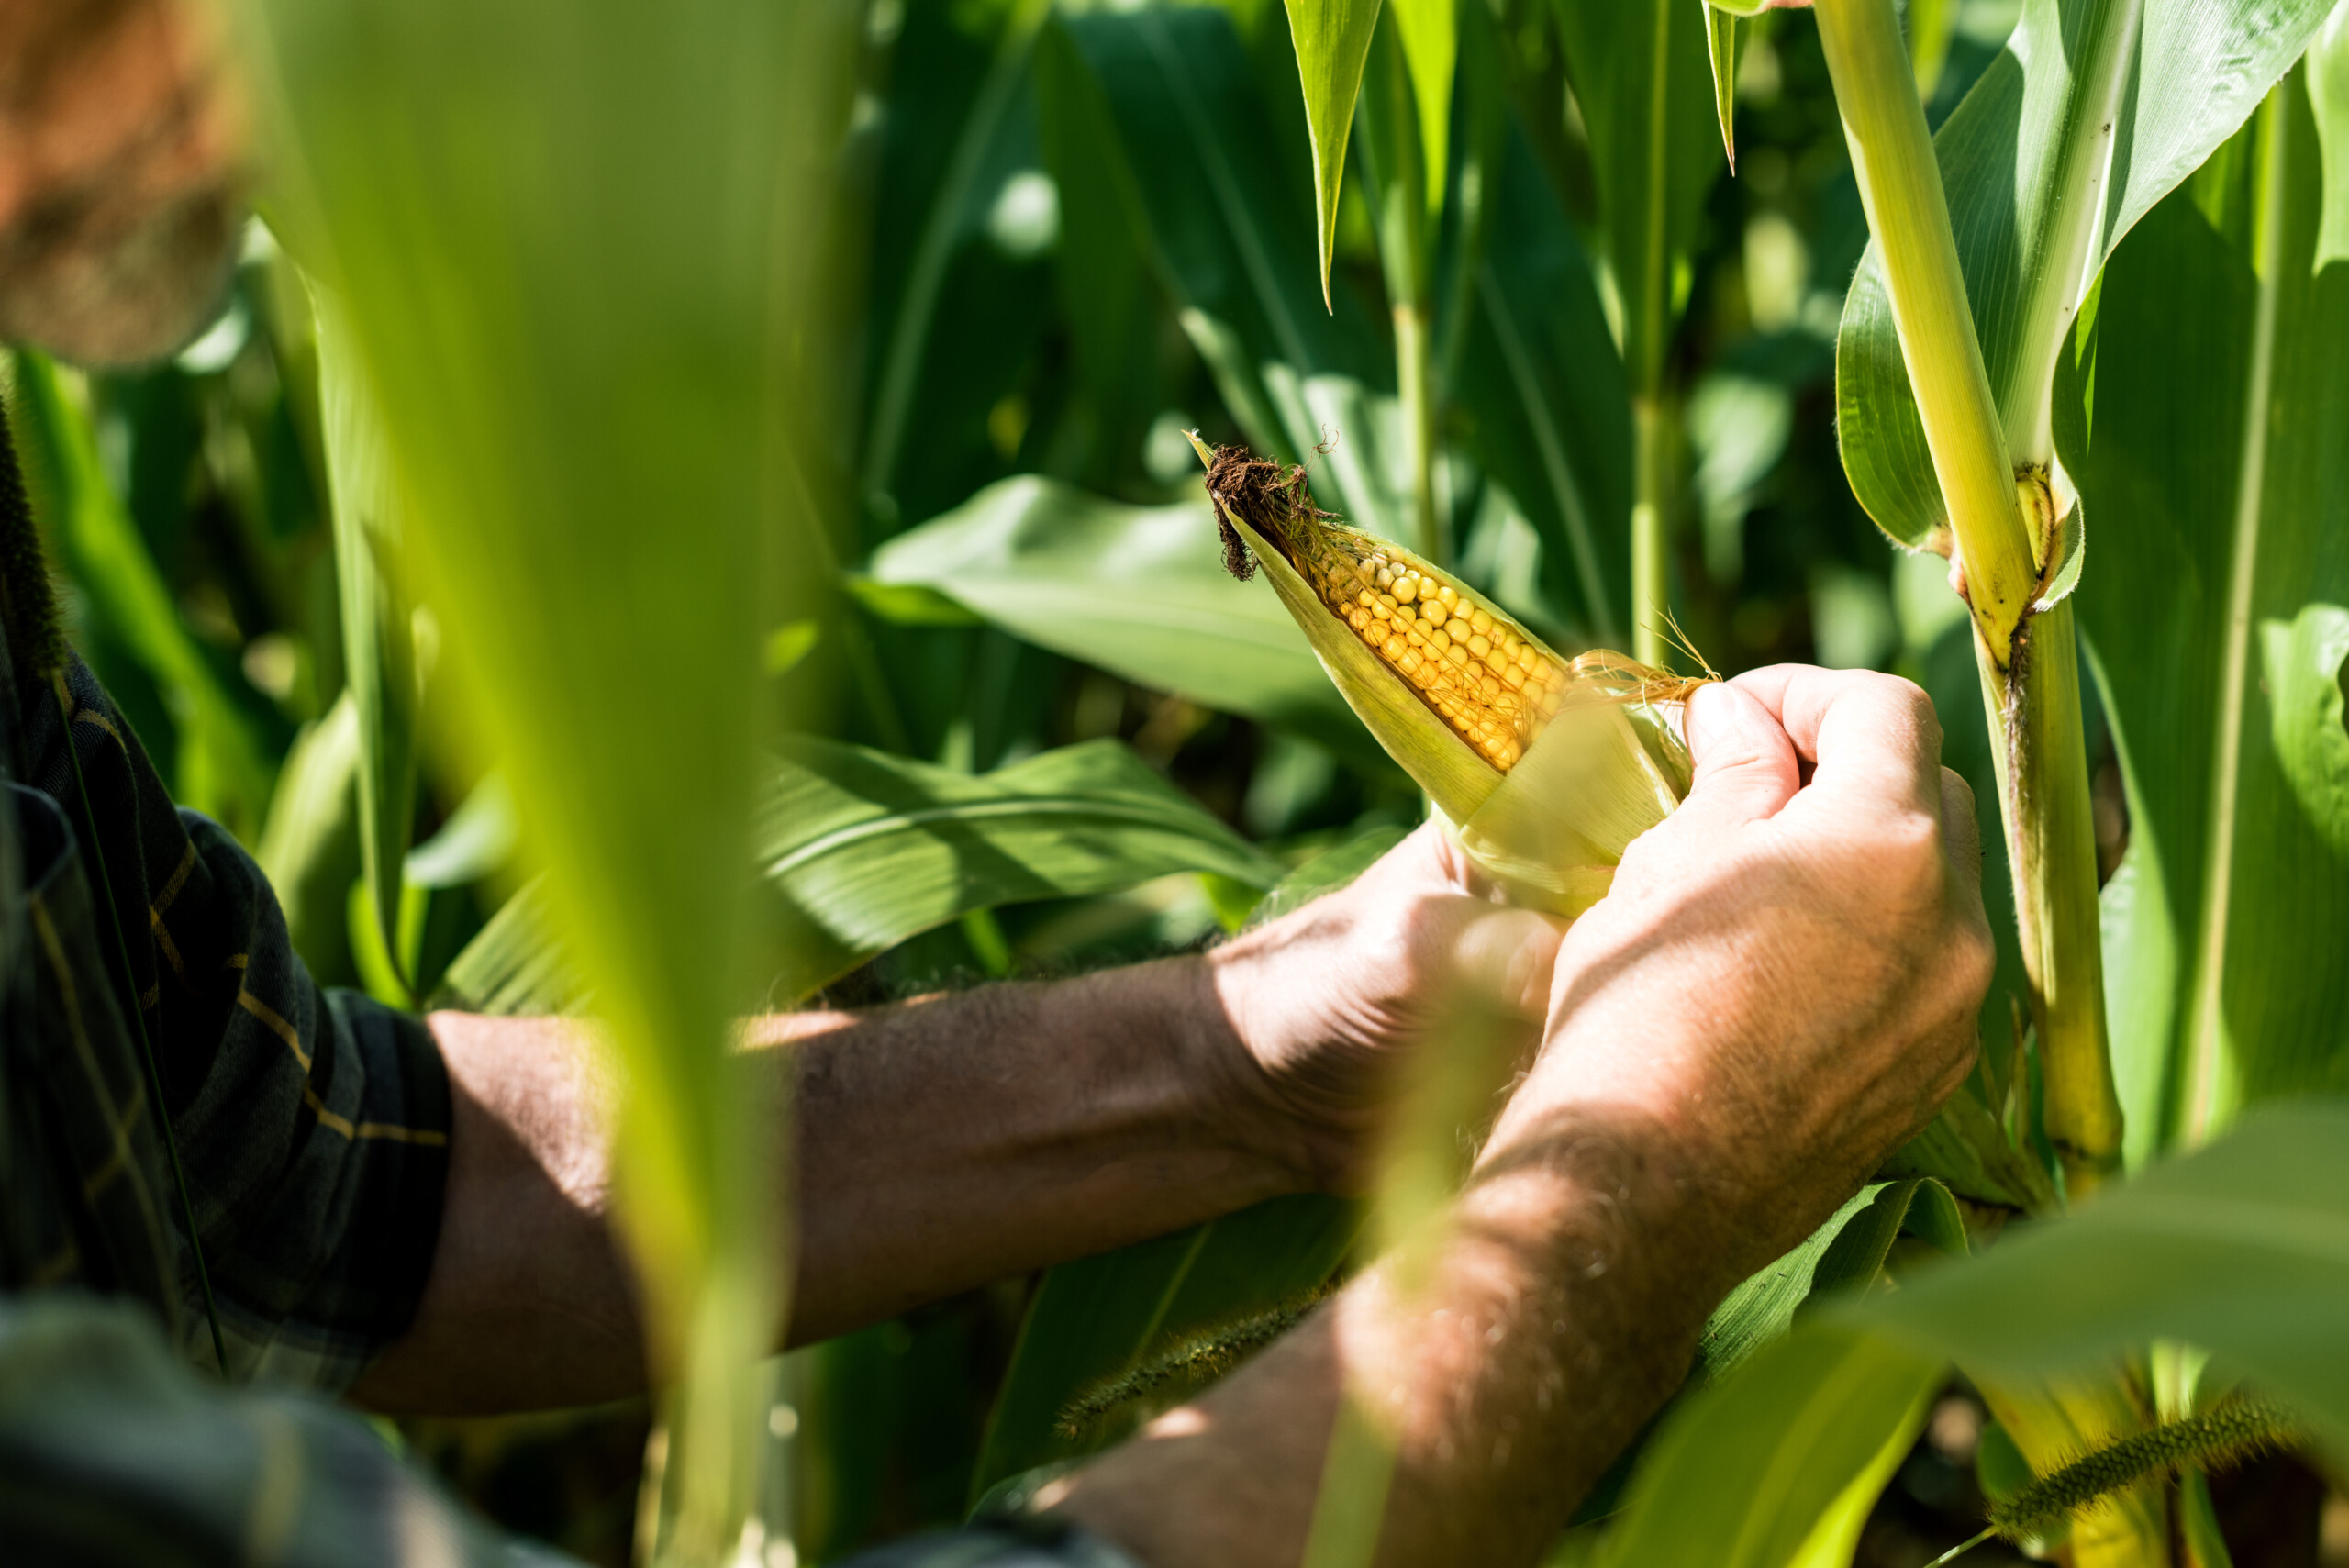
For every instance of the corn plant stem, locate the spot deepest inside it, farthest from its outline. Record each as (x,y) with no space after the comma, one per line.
(2029,665)
(1900,187)
(2051,849)
(1414,378)
(1651,579)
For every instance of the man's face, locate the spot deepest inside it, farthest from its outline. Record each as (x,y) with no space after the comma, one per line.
(121,168)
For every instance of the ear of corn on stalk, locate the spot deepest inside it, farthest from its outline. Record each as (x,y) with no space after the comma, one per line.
(1546,767)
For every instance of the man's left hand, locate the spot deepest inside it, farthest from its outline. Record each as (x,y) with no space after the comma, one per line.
(1330,1001)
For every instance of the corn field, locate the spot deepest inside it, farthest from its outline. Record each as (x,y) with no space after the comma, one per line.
(694,508)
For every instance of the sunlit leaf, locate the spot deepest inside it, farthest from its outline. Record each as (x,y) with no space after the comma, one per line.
(1640,76)
(1332,39)
(1139,591)
(2240,1249)
(571,317)
(2096,110)
(1171,90)
(1743,1474)
(2202,411)
(1721,30)
(1544,392)
(1430,31)
(865,850)
(378,641)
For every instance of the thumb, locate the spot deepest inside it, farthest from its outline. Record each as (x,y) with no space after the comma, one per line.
(1745,767)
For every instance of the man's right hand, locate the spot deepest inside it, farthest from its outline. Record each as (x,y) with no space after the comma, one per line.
(1785,977)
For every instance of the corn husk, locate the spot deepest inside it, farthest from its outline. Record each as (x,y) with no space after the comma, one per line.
(1606,766)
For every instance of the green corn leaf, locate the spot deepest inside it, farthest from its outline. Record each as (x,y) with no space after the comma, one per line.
(514,966)
(1720,51)
(1548,410)
(1096,1319)
(1139,591)
(1326,872)
(571,319)
(2202,408)
(2240,1249)
(1745,1474)
(1199,154)
(863,850)
(1333,40)
(310,845)
(1843,1253)
(1932,24)
(222,770)
(1431,35)
(378,641)
(1640,72)
(954,209)
(2095,111)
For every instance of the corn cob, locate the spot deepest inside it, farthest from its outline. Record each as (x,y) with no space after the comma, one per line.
(1405,640)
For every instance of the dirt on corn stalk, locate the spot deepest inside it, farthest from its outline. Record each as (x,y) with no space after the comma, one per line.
(1269,501)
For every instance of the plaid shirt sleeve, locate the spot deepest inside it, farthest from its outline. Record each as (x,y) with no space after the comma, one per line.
(113,1453)
(312,1125)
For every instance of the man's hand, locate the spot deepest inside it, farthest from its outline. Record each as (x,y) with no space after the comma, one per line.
(1780,986)
(1784,978)
(1328,1001)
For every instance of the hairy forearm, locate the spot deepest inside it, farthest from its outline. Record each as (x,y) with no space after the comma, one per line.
(965,1139)
(1558,1308)
(938,1144)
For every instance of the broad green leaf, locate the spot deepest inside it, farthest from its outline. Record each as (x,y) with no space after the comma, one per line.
(861,851)
(1332,39)
(2240,1249)
(2202,410)
(573,319)
(1544,391)
(1139,591)
(1639,71)
(1743,1474)
(222,770)
(2096,110)
(865,850)
(378,643)
(1845,1252)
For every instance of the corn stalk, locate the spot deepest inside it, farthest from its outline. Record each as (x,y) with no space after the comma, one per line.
(2007,553)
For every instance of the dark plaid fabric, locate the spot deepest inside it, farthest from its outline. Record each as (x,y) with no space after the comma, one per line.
(114,1455)
(312,1125)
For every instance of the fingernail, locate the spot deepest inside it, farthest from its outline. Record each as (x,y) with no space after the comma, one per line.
(1700,729)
